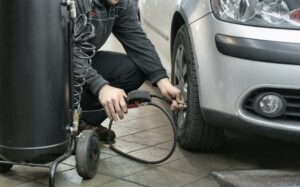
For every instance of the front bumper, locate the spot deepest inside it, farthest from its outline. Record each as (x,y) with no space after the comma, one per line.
(259,50)
(234,122)
(227,77)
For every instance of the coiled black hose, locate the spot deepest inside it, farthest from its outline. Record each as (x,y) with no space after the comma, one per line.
(144,99)
(83,52)
(147,101)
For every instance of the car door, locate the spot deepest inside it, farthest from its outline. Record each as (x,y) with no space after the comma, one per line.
(156,20)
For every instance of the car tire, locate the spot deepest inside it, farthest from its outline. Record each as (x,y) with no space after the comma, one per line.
(194,133)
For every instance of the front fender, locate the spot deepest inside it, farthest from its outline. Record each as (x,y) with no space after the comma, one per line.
(192,10)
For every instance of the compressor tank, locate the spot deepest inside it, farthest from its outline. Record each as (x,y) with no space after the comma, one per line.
(34,76)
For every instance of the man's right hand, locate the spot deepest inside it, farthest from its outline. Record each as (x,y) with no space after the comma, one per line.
(112,99)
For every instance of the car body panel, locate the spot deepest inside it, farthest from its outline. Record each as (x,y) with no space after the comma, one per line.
(158,27)
(224,81)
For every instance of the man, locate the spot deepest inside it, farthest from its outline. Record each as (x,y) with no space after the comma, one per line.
(112,75)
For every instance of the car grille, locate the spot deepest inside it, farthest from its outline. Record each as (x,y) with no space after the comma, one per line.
(292,98)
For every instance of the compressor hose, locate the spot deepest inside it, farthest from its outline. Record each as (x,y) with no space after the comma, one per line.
(83,52)
(146,101)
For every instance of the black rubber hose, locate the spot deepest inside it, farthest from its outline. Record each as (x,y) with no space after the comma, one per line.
(162,98)
(142,160)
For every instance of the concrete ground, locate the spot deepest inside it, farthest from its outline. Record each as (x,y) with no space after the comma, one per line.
(145,133)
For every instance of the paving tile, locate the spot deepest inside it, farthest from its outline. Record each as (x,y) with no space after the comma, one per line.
(145,123)
(106,150)
(104,156)
(154,153)
(138,113)
(126,118)
(204,182)
(122,130)
(162,177)
(165,130)
(167,145)
(31,184)
(120,183)
(120,167)
(8,180)
(128,146)
(72,179)
(71,161)
(147,138)
(249,178)
(37,172)
(204,164)
(188,165)
(220,162)
(143,111)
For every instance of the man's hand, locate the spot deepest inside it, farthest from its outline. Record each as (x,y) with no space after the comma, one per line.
(171,92)
(112,99)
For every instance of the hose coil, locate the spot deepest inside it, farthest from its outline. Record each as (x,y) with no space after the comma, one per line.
(83,52)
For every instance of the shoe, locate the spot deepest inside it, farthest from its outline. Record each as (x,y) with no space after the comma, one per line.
(85,126)
(100,130)
(103,133)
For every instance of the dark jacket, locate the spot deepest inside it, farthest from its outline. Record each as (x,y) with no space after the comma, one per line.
(121,20)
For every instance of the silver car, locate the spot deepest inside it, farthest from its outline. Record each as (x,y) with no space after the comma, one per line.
(236,61)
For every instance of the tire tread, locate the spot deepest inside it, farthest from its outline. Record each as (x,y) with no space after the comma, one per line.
(197,134)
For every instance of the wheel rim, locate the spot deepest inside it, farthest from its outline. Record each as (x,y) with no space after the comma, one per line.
(181,81)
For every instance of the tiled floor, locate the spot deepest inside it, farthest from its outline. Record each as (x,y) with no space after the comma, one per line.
(145,133)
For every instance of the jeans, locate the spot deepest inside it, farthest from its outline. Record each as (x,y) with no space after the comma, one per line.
(120,72)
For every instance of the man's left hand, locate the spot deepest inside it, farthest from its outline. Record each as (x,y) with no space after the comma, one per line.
(171,92)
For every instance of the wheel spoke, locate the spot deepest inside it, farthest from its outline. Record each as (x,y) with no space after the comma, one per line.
(184,70)
(185,90)
(180,75)
(179,68)
(177,72)
(181,83)
(180,55)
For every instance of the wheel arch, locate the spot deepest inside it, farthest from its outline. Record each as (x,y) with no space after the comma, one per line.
(178,20)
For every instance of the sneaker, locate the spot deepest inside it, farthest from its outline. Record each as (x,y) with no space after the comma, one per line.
(100,130)
(85,126)
(103,133)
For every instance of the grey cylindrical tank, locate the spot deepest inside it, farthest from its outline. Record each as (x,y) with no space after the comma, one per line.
(34,90)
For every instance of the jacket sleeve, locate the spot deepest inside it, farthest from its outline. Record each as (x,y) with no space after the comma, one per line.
(139,49)
(93,80)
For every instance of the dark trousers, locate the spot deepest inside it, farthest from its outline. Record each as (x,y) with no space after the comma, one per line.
(120,72)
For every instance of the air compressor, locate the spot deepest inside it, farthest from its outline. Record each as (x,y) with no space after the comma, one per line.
(40,92)
(37,90)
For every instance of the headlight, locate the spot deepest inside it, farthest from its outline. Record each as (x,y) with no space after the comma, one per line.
(240,10)
(266,13)
(274,11)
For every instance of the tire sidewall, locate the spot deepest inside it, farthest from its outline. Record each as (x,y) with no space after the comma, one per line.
(86,167)
(182,38)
